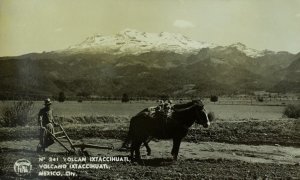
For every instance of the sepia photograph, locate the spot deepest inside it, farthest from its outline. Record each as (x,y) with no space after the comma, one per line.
(149,89)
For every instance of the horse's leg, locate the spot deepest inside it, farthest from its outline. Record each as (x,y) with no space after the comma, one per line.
(137,150)
(132,148)
(148,147)
(172,152)
(175,149)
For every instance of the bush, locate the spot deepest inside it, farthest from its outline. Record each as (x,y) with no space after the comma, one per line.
(292,111)
(125,98)
(214,98)
(260,99)
(15,114)
(61,97)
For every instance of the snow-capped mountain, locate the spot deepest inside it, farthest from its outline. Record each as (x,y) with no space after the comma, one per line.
(151,64)
(131,41)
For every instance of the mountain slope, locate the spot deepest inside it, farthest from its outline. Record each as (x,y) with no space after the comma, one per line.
(149,64)
(291,77)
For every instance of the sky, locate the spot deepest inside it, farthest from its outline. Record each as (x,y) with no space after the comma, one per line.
(44,25)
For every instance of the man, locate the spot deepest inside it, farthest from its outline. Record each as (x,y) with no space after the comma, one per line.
(46,122)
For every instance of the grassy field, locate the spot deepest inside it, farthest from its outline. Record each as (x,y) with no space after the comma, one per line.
(116,108)
(234,112)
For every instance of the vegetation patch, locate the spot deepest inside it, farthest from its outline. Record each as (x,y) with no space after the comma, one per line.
(16,113)
(292,111)
(270,132)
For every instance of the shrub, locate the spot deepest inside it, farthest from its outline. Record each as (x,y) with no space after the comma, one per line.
(292,111)
(260,99)
(61,97)
(125,98)
(214,98)
(17,113)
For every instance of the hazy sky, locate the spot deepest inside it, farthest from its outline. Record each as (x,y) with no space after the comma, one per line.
(45,25)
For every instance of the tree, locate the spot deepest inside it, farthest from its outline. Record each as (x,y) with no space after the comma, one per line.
(214,98)
(125,98)
(260,99)
(61,97)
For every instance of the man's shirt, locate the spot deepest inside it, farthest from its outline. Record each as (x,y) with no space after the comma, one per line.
(46,116)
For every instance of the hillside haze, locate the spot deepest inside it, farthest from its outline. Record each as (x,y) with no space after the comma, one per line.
(150,64)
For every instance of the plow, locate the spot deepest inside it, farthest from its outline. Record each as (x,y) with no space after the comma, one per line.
(62,138)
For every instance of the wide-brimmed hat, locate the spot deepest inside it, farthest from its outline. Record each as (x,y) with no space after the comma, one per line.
(47,101)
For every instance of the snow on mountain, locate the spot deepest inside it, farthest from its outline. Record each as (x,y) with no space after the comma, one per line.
(131,41)
(249,51)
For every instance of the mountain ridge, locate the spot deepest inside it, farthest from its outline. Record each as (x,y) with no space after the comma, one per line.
(131,41)
(163,66)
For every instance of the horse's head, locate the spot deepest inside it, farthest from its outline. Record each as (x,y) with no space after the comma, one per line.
(201,114)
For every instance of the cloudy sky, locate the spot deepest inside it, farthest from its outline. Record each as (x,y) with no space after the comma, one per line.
(45,25)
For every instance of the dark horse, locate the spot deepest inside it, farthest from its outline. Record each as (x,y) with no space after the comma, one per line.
(145,126)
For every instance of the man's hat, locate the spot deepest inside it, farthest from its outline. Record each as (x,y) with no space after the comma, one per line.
(47,101)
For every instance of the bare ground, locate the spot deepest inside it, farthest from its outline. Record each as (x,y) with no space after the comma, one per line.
(248,149)
(196,160)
